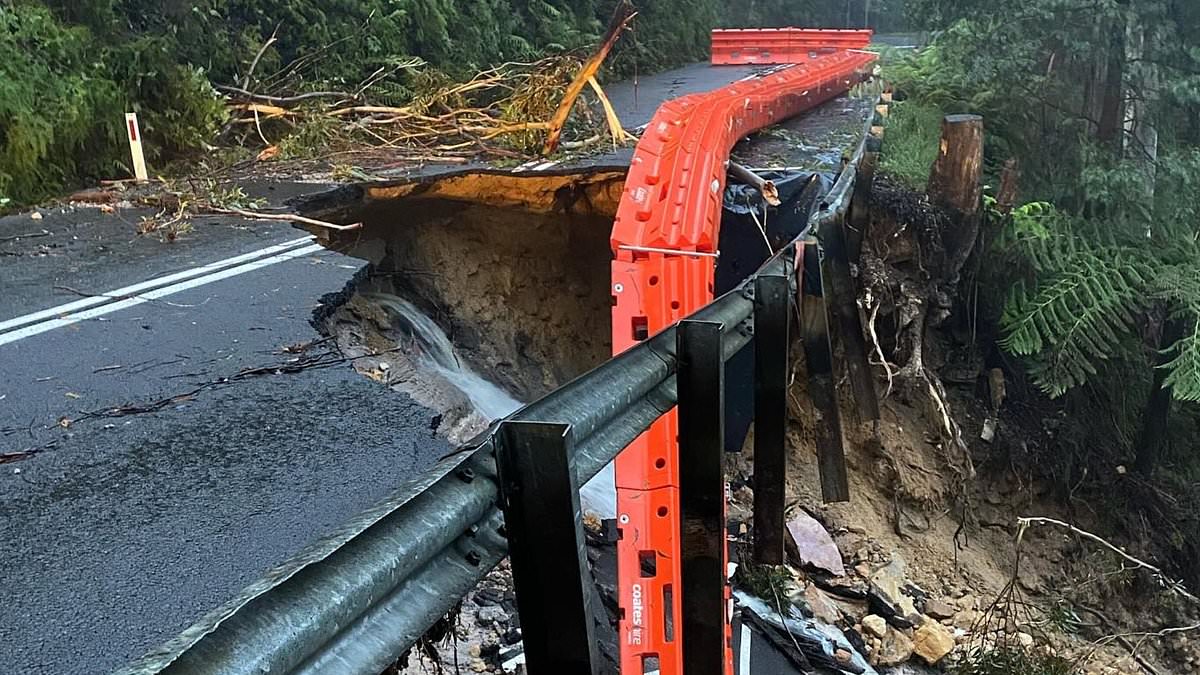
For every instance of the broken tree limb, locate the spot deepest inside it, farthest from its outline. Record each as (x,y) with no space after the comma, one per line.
(622,15)
(282,100)
(619,135)
(765,187)
(289,217)
(258,57)
(261,108)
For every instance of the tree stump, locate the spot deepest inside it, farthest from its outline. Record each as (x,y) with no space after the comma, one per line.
(954,185)
(954,179)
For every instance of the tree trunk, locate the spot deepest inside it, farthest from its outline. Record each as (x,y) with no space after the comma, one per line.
(1112,108)
(954,184)
(1153,437)
(1010,179)
(954,178)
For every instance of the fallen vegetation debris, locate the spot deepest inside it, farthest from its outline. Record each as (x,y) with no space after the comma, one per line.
(622,15)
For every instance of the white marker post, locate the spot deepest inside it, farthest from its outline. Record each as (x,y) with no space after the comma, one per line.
(135,147)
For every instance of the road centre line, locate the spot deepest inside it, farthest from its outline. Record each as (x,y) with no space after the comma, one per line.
(130,291)
(154,294)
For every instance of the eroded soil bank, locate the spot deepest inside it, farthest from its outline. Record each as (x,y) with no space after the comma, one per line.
(513,267)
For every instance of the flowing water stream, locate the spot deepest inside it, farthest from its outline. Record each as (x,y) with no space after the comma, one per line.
(434,352)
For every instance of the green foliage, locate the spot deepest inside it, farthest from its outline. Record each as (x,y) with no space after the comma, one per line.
(1010,660)
(764,581)
(52,105)
(1082,279)
(63,94)
(910,143)
(69,68)
(1080,311)
(1079,291)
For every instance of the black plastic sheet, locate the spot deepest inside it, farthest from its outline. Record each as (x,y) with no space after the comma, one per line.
(744,249)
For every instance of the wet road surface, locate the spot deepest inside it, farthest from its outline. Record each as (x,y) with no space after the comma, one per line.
(124,529)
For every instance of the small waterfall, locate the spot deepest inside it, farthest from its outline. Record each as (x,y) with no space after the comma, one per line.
(436,352)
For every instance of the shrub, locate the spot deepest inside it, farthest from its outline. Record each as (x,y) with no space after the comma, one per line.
(910,143)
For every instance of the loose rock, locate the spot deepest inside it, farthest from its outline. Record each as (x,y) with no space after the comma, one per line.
(887,585)
(895,648)
(822,606)
(932,641)
(965,619)
(874,625)
(940,609)
(813,545)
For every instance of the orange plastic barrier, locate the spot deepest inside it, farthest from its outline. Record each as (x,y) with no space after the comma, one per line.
(780,45)
(664,240)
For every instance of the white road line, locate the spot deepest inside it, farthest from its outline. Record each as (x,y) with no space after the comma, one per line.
(67,320)
(121,293)
(744,651)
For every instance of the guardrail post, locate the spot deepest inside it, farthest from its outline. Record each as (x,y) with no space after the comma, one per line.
(701,388)
(818,357)
(772,305)
(844,324)
(542,521)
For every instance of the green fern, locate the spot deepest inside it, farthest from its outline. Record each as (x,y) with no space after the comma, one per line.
(1078,290)
(1074,318)
(1179,285)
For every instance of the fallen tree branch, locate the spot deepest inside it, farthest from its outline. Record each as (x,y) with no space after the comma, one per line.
(1161,576)
(282,100)
(619,135)
(622,15)
(765,187)
(286,217)
(258,57)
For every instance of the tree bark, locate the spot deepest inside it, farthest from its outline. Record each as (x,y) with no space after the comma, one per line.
(1112,108)
(1010,179)
(954,184)
(954,179)
(1152,439)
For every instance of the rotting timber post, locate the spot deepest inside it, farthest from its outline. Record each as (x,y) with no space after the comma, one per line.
(954,184)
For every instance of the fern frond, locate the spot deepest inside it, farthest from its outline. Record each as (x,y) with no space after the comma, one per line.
(1074,318)
(1183,375)
(1179,285)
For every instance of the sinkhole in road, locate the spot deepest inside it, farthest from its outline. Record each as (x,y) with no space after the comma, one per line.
(483,289)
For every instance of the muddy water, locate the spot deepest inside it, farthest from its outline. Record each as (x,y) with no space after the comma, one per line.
(406,349)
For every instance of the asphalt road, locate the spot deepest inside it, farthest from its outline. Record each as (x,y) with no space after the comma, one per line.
(124,529)
(143,491)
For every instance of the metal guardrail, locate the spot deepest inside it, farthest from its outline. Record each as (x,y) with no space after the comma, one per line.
(356,601)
